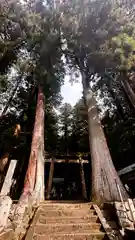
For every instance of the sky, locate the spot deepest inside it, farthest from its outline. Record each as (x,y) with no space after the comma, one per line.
(71,93)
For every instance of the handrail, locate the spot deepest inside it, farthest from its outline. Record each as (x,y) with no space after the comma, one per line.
(120,195)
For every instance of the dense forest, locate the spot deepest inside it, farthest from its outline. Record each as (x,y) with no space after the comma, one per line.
(40,43)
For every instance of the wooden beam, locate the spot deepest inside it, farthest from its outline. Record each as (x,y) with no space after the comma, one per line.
(84,192)
(25,133)
(66,161)
(8,179)
(49,187)
(126,170)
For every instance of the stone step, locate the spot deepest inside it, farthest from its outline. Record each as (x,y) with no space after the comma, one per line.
(70,221)
(65,202)
(64,220)
(65,212)
(66,228)
(77,236)
(66,205)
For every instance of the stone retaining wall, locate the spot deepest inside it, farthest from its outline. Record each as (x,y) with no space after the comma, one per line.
(126,214)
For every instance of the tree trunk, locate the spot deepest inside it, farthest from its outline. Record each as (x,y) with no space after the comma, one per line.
(34,180)
(84,192)
(105,180)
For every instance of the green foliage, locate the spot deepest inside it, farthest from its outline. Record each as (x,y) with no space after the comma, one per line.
(65,123)
(3,83)
(51,130)
(120,136)
(122,51)
(79,136)
(31,32)
(12,32)
(90,29)
(73,132)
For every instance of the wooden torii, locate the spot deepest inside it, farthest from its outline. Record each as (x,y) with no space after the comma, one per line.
(54,161)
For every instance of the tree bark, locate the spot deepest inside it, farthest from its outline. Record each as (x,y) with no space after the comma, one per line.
(105,179)
(34,180)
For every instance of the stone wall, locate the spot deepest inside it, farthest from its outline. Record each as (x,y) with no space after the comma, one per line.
(126,214)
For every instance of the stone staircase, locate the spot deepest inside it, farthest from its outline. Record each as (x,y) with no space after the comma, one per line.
(65,221)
